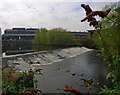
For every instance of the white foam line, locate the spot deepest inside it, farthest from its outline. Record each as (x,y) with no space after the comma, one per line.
(80,53)
(47,63)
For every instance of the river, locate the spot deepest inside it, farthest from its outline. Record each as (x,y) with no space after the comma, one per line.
(69,72)
(62,67)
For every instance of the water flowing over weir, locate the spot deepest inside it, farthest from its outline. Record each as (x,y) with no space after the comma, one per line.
(61,67)
(42,58)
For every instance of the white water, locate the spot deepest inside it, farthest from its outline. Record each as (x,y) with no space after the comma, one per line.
(30,60)
(58,55)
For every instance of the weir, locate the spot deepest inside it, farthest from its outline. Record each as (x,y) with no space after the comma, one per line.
(29,60)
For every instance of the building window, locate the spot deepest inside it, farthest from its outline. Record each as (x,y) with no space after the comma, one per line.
(19,38)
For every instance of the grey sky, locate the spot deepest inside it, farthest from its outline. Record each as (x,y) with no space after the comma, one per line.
(67,15)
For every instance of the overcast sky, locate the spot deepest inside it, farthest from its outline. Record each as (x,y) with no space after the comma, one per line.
(35,13)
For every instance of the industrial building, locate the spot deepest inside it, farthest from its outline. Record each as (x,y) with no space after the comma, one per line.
(21,38)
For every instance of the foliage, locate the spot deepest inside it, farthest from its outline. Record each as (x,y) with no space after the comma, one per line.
(52,39)
(107,40)
(14,83)
(105,90)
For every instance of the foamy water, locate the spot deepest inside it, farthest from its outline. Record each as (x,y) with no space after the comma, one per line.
(57,56)
(30,60)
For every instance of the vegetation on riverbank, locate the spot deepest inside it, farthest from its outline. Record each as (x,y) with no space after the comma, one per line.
(17,83)
(107,40)
(53,39)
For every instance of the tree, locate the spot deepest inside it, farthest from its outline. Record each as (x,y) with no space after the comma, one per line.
(52,39)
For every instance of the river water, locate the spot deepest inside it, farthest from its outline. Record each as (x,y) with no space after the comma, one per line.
(69,72)
(62,67)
